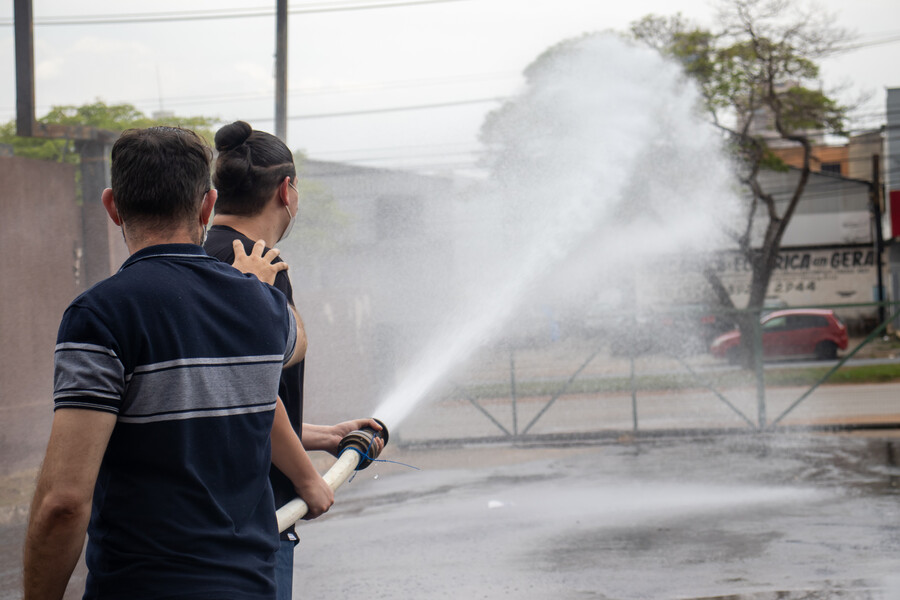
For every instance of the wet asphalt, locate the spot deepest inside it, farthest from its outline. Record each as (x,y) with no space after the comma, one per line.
(753,516)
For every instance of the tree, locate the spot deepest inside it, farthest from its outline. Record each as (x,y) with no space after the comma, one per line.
(321,219)
(761,64)
(114,117)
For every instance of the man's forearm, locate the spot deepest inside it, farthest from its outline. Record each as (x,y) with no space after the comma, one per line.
(291,459)
(288,453)
(53,544)
(328,437)
(61,507)
(319,437)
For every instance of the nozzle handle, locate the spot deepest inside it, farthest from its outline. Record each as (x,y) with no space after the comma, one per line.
(362,441)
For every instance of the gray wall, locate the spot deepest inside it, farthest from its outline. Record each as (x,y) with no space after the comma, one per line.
(369,304)
(40,241)
(832,210)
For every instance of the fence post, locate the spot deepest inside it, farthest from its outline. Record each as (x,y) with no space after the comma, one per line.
(760,369)
(97,241)
(634,416)
(512,386)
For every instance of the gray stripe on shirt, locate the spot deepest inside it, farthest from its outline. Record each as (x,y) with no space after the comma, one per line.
(202,386)
(86,368)
(205,361)
(197,414)
(88,347)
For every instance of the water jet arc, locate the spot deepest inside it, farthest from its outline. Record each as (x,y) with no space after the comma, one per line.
(355,452)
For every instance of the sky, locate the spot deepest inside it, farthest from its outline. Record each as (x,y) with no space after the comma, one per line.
(400,86)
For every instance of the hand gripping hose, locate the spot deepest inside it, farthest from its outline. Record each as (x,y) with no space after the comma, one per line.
(355,453)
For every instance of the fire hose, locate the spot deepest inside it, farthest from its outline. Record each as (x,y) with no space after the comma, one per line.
(355,453)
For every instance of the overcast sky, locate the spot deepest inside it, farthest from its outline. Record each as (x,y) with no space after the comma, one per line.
(459,54)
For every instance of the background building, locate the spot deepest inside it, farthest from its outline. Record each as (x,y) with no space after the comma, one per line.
(373,292)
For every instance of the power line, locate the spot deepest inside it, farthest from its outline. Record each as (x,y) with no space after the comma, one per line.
(417,157)
(205,15)
(430,152)
(345,89)
(314,91)
(878,42)
(473,149)
(472,145)
(351,113)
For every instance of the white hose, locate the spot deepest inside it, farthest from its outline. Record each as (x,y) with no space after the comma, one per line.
(339,472)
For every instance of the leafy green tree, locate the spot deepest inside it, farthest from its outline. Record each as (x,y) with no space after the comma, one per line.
(321,219)
(758,75)
(112,117)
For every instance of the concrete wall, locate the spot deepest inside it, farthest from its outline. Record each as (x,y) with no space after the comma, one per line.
(40,241)
(357,310)
(831,211)
(369,303)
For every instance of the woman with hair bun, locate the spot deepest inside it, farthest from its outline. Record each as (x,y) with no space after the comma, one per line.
(258,199)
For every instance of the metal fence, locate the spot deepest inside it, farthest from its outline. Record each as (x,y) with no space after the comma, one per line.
(577,378)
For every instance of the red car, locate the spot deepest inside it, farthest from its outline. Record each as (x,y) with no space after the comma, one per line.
(790,332)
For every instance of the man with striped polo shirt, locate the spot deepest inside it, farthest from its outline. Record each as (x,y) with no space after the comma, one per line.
(166,413)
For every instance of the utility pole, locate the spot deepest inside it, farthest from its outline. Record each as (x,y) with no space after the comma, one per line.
(24,31)
(97,240)
(875,199)
(281,40)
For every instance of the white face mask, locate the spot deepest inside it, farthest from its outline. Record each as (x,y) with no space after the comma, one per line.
(290,225)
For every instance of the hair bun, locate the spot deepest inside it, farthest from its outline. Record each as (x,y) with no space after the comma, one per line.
(231,136)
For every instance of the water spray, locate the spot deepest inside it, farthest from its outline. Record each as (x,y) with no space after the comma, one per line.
(355,452)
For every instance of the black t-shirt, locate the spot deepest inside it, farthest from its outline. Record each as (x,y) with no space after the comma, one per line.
(290,388)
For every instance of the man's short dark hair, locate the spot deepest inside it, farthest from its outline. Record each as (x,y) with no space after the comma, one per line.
(159,175)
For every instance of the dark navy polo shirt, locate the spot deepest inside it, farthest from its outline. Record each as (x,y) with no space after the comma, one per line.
(187,352)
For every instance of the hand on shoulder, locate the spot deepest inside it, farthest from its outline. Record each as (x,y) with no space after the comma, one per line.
(257,263)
